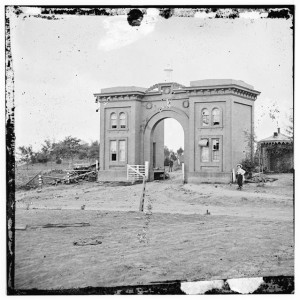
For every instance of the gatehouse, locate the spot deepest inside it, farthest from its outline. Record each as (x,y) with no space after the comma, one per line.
(214,115)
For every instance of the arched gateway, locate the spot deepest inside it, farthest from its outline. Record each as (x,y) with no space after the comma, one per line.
(214,114)
(150,127)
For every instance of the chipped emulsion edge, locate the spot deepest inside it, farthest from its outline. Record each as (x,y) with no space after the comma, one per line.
(50,14)
(245,285)
(201,287)
(10,161)
(238,285)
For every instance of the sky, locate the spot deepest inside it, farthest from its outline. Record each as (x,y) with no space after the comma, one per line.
(60,63)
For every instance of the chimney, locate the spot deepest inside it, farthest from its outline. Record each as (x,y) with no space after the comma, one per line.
(275,134)
(168,72)
(278,130)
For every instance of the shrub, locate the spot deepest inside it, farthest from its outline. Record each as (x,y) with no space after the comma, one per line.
(41,158)
(82,155)
(58,161)
(166,162)
(249,166)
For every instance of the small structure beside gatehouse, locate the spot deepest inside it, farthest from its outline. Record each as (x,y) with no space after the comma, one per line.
(276,152)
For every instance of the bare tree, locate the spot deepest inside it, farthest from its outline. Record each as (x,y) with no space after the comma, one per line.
(27,155)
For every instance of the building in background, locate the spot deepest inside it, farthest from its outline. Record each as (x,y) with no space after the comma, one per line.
(214,115)
(276,152)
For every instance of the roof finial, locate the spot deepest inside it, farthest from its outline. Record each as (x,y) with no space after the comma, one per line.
(168,72)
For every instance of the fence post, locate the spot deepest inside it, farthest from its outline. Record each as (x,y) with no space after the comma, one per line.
(147,169)
(183,172)
(40,181)
(68,178)
(233,176)
(96,165)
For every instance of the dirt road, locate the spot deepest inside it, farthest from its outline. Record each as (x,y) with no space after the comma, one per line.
(247,233)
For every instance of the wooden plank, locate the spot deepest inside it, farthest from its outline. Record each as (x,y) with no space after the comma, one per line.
(79,170)
(52,177)
(21,227)
(61,225)
(82,175)
(34,177)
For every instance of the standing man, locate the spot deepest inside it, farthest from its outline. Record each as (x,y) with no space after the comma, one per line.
(240,176)
(170,165)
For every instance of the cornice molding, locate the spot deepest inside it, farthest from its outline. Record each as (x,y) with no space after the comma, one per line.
(114,98)
(190,91)
(194,91)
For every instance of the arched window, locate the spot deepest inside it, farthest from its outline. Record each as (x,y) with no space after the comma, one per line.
(113,120)
(205,117)
(216,116)
(122,120)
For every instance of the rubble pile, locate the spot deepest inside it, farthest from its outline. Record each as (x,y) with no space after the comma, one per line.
(259,177)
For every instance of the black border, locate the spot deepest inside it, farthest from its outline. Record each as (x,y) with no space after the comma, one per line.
(165,11)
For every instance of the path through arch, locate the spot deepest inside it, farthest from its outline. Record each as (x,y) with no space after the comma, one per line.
(155,119)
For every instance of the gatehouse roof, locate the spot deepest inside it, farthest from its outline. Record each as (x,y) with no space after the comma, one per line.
(196,83)
(197,87)
(122,89)
(220,82)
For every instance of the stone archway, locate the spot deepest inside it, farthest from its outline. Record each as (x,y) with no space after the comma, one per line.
(157,117)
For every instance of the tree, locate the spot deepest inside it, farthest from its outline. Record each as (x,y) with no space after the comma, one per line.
(166,152)
(274,113)
(251,162)
(57,151)
(46,153)
(179,151)
(290,128)
(27,155)
(93,152)
(251,142)
(41,157)
(173,155)
(83,150)
(70,147)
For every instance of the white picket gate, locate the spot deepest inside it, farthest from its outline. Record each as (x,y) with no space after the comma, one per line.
(136,172)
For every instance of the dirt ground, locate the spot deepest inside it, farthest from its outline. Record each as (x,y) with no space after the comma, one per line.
(248,233)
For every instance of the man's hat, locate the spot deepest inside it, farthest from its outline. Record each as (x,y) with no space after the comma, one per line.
(239,165)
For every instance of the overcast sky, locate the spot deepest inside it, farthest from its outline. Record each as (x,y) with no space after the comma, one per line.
(59,64)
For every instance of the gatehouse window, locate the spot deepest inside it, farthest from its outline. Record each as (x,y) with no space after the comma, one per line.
(113,120)
(117,150)
(205,117)
(113,150)
(215,116)
(215,150)
(122,120)
(122,151)
(204,150)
